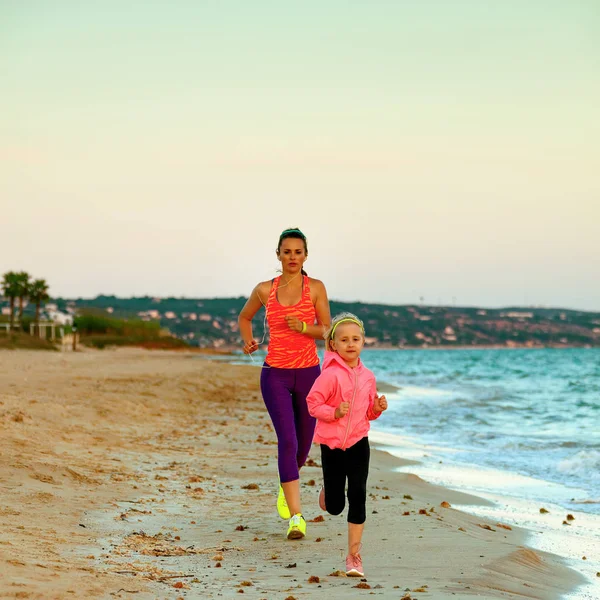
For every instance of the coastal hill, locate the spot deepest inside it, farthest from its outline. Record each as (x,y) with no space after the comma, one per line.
(212,322)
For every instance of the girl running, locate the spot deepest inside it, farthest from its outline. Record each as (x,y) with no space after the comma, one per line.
(344,400)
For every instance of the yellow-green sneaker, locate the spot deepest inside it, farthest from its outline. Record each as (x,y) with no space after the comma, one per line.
(297,528)
(282,507)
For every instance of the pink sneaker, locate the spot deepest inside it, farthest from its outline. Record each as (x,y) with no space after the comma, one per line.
(354,566)
(322,500)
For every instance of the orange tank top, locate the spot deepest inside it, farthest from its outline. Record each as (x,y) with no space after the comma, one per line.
(289,349)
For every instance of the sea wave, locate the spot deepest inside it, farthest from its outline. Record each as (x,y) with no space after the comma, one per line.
(532,412)
(585,462)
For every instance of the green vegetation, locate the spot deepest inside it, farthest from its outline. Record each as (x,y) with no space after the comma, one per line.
(10,289)
(38,293)
(23,341)
(159,343)
(94,323)
(19,286)
(94,327)
(100,331)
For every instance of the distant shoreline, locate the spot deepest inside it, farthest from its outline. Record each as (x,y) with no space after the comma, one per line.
(485,347)
(213,323)
(236,349)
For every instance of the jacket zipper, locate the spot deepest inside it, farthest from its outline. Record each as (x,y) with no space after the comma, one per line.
(350,411)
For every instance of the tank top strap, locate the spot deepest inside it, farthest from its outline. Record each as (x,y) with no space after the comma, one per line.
(273,291)
(305,288)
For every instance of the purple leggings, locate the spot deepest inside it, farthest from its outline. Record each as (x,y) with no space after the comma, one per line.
(284,392)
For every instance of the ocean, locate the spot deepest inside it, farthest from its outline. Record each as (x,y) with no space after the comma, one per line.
(533,414)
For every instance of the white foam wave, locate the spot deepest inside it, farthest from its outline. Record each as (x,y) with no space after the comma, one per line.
(585,462)
(416,392)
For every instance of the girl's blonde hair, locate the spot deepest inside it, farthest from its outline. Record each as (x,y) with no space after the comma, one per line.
(345,317)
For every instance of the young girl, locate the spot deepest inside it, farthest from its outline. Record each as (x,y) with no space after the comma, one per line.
(344,399)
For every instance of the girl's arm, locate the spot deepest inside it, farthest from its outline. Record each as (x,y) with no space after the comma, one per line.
(322,390)
(377,404)
(246,315)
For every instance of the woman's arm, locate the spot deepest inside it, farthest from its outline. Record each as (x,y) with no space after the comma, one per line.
(246,315)
(323,312)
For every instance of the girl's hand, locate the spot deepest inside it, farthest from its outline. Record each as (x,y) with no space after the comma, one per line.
(379,404)
(251,346)
(342,410)
(294,323)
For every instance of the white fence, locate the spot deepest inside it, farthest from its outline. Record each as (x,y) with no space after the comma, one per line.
(48,327)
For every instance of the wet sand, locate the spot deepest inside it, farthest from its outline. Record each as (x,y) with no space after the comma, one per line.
(148,474)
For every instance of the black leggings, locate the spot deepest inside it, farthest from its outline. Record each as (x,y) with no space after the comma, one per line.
(353,464)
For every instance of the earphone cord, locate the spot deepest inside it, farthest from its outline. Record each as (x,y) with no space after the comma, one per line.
(265,320)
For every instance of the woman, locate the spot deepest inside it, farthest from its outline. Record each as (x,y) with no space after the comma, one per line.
(297,312)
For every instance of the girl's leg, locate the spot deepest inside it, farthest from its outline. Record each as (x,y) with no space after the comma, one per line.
(334,479)
(357,465)
(355,533)
(304,423)
(276,386)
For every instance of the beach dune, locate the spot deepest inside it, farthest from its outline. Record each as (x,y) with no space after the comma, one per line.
(137,474)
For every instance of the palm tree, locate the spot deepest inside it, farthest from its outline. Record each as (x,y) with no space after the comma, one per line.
(23,284)
(10,289)
(38,293)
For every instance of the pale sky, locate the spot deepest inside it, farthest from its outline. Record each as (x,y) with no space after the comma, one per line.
(441,150)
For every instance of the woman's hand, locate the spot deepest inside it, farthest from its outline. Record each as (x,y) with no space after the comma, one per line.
(379,404)
(294,323)
(251,346)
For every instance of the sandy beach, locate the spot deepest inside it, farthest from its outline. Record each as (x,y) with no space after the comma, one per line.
(150,474)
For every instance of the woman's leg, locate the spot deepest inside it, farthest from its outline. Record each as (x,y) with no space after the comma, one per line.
(304,423)
(291,489)
(276,386)
(304,428)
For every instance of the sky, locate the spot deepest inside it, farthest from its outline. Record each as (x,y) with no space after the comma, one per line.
(432,151)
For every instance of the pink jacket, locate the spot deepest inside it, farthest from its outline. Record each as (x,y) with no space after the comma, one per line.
(336,383)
